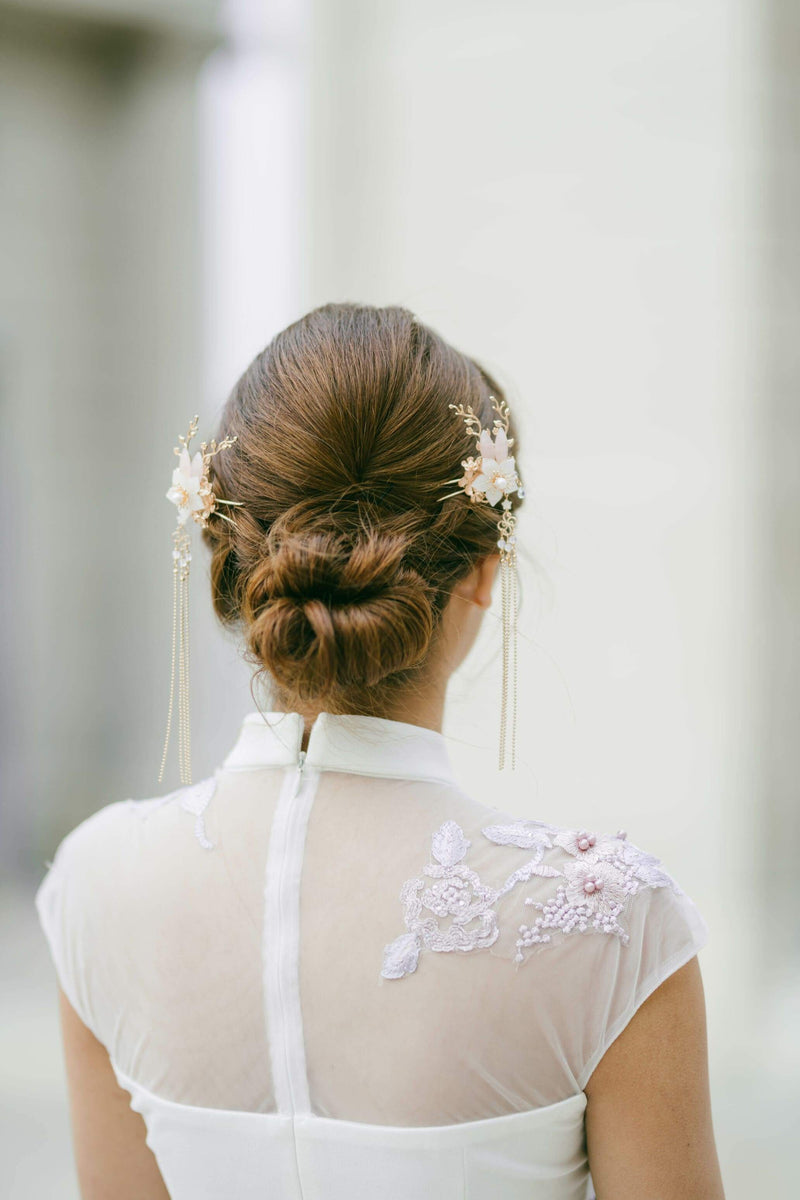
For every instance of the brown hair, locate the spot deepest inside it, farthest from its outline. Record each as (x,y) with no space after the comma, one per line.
(343,556)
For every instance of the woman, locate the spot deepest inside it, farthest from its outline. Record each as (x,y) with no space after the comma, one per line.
(325,971)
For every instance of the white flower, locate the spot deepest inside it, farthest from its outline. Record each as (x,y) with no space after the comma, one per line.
(189,491)
(590,847)
(598,885)
(453,896)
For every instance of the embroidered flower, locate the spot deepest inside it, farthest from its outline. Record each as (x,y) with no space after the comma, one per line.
(600,875)
(498,475)
(190,491)
(458,894)
(582,844)
(598,885)
(606,871)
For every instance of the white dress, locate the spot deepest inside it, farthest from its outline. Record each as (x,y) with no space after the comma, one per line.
(336,976)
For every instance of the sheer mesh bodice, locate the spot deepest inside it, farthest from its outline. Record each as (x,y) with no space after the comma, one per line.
(334,970)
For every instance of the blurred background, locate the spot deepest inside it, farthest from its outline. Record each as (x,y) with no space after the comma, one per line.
(601,201)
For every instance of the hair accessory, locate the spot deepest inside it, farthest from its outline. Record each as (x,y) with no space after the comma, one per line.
(192,494)
(491,477)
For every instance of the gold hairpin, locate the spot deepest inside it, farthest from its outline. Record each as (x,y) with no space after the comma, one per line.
(192,494)
(490,478)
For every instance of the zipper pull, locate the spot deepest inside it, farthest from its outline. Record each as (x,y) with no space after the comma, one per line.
(301,762)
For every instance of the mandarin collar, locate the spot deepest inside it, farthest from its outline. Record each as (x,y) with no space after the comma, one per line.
(349,742)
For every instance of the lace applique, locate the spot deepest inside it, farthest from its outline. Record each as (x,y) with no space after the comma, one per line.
(605,871)
(195,800)
(458,894)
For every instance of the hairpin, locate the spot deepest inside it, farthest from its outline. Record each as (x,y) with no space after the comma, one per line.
(192,494)
(487,479)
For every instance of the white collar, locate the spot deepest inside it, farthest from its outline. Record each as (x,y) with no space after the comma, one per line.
(342,742)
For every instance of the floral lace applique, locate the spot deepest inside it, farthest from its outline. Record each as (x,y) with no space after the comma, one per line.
(459,894)
(194,798)
(605,871)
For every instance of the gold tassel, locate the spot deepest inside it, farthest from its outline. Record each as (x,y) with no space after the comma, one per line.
(495,445)
(192,494)
(181,558)
(508,600)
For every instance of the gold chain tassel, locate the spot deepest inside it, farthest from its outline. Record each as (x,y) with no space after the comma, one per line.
(181,557)
(508,594)
(192,494)
(490,477)
(186,759)
(504,678)
(512,568)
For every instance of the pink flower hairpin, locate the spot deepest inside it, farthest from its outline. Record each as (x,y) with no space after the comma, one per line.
(493,476)
(194,498)
(490,478)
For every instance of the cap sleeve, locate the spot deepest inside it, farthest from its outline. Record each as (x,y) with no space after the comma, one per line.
(665,930)
(69,904)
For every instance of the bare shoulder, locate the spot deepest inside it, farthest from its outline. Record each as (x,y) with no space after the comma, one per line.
(648,1118)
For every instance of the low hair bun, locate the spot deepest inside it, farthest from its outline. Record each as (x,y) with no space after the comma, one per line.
(350,534)
(325,617)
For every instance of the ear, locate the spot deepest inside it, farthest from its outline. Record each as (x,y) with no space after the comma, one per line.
(486,570)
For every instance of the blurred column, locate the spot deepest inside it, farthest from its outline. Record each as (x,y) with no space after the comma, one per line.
(778,402)
(100,366)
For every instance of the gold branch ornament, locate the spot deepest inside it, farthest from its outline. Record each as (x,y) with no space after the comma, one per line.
(192,495)
(487,479)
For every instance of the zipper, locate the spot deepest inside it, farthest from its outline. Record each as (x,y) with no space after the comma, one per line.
(281,957)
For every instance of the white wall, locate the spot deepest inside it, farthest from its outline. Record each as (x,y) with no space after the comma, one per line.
(570,192)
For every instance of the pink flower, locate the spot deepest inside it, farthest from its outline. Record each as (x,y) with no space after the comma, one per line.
(498,473)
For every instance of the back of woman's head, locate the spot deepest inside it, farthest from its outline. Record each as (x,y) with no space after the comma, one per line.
(342,557)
